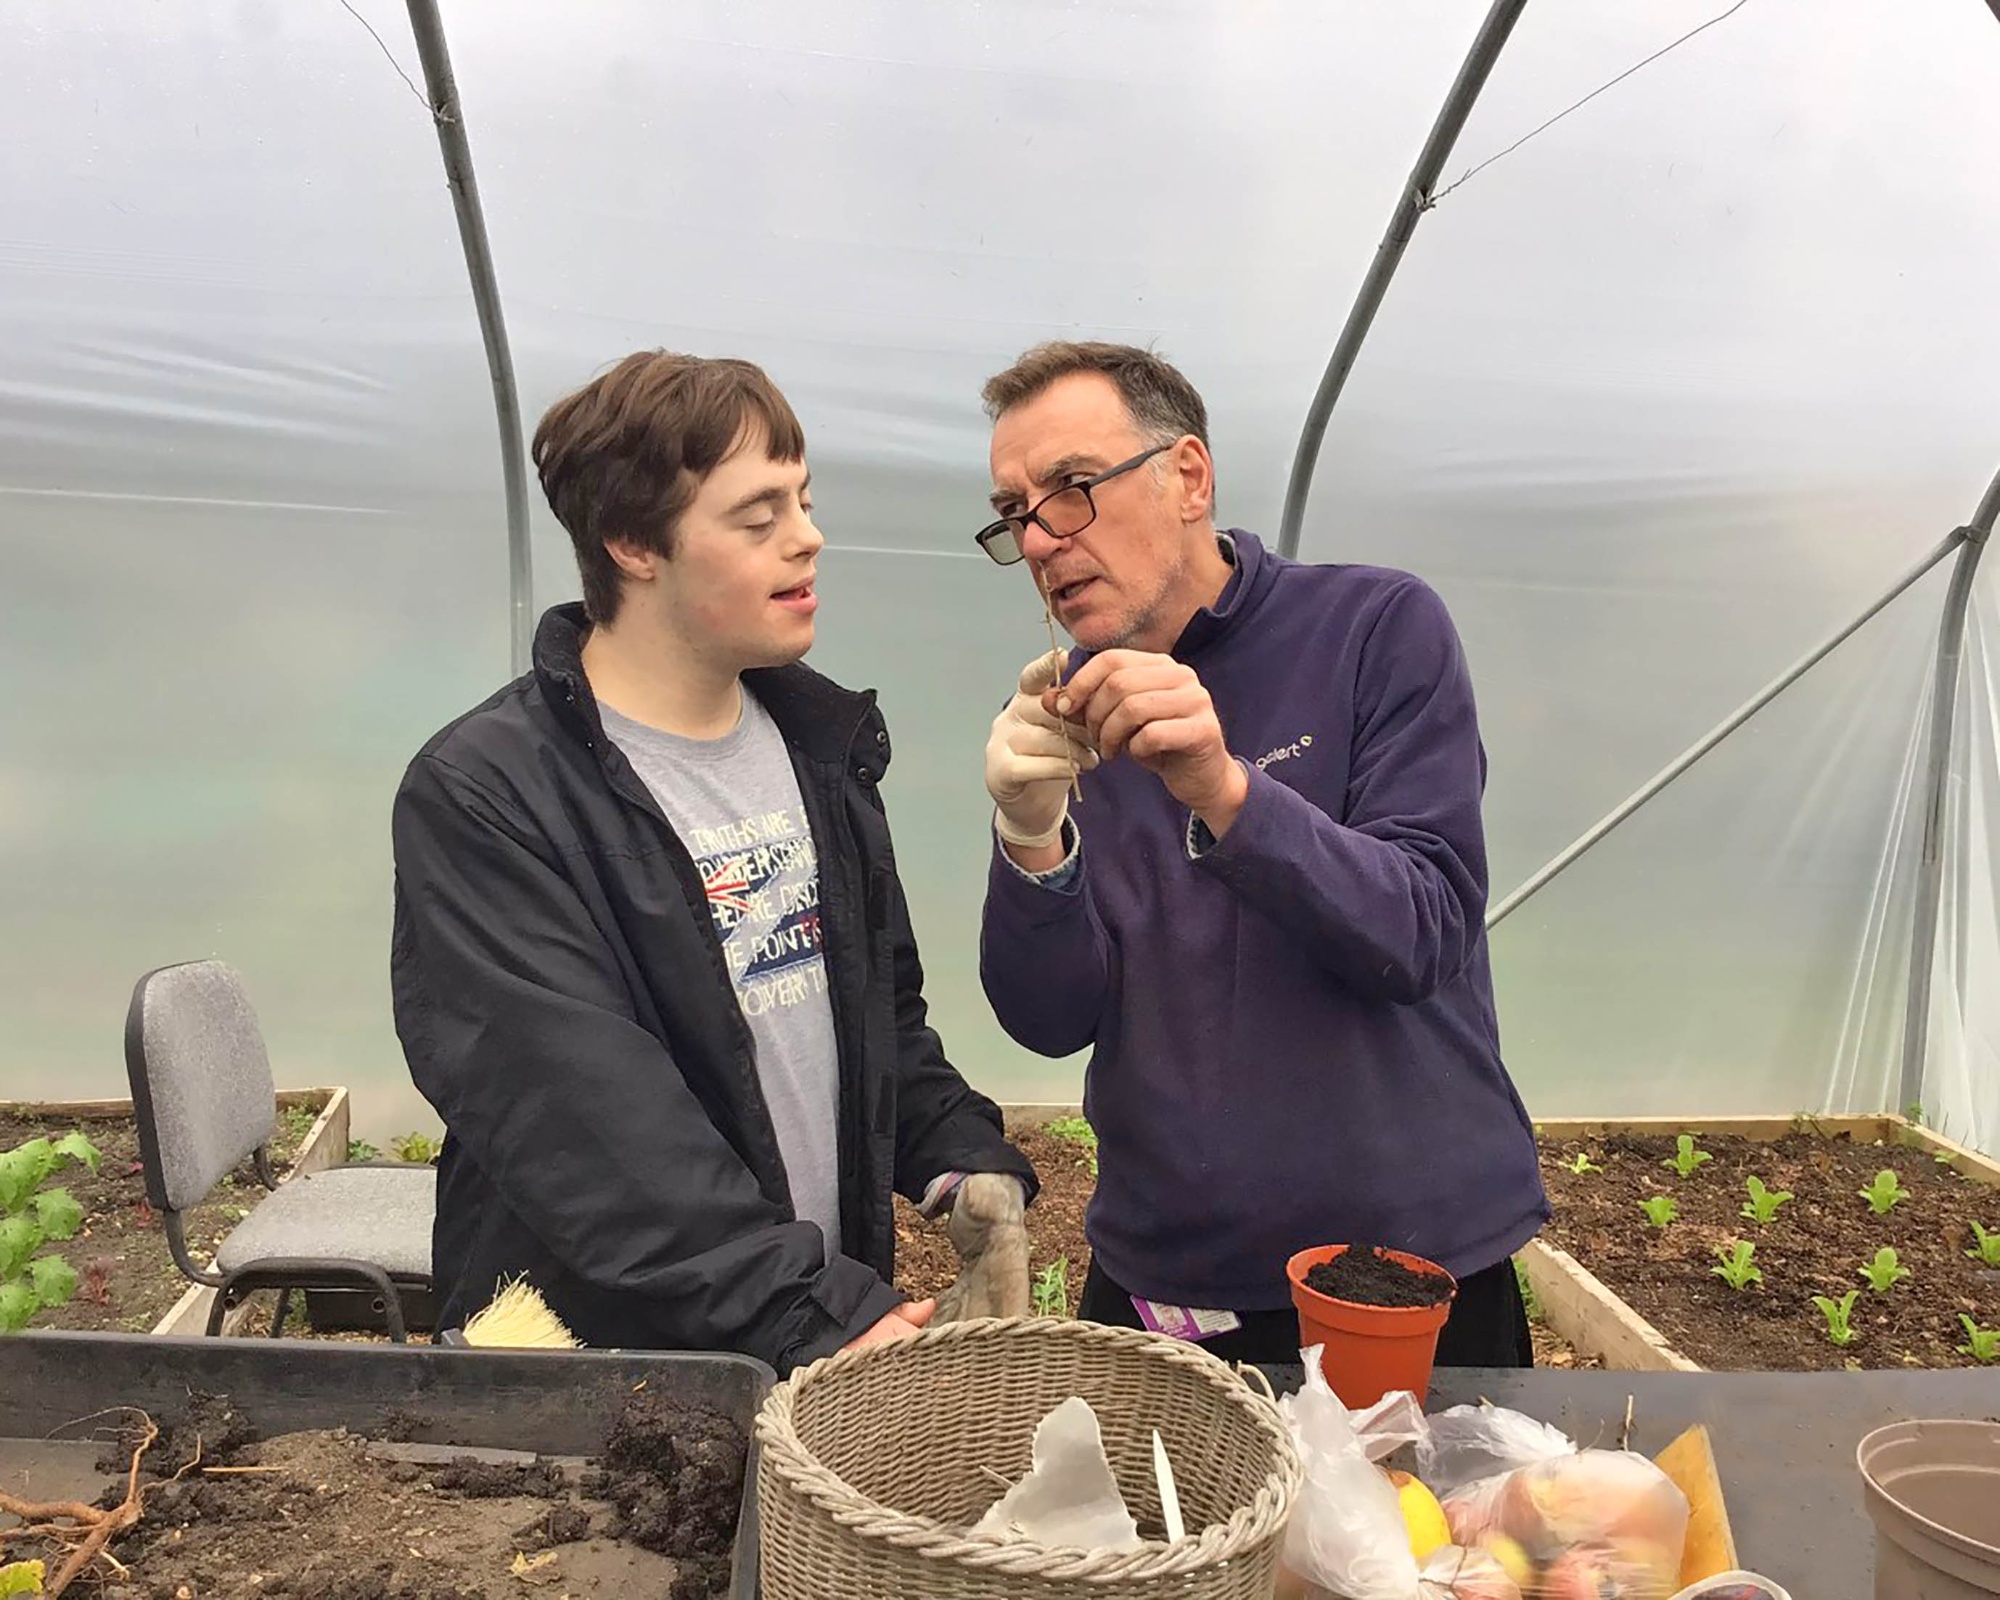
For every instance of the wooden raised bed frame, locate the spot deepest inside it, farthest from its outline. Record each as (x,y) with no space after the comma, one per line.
(325,1146)
(1582,1311)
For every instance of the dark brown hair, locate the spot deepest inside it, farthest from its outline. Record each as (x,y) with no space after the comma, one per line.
(624,456)
(1163,404)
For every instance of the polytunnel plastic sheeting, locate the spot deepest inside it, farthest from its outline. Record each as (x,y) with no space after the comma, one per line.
(1659,398)
(1961,1087)
(249,547)
(1671,392)
(1742,943)
(1666,395)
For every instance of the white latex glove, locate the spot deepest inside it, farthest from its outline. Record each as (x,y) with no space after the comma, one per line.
(1028,761)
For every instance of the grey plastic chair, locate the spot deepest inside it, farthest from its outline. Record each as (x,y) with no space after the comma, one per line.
(205,1102)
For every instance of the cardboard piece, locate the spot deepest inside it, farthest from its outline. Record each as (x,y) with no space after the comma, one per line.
(1711,1547)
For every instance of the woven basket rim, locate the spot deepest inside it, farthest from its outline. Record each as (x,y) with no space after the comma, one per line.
(1248,1528)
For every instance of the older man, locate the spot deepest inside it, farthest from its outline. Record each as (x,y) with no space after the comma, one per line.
(1265,922)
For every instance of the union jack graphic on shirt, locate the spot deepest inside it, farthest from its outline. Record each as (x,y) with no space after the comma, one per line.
(727,884)
(764,897)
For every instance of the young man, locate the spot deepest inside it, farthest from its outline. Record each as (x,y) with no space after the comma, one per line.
(1266,919)
(652,962)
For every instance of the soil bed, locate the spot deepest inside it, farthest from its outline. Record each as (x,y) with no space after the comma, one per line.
(334,1516)
(126,1279)
(1816,1245)
(926,1264)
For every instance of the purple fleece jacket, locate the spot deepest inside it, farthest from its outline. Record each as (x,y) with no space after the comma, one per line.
(1292,1030)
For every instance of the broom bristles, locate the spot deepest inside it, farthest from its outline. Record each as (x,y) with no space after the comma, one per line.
(518,1318)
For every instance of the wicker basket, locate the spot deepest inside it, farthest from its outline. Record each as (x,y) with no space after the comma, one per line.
(875,1461)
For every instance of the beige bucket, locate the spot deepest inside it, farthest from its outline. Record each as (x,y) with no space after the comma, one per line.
(1933,1490)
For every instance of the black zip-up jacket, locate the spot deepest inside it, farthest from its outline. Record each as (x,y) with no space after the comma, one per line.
(562,999)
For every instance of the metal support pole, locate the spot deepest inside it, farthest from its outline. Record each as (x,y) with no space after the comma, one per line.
(449,116)
(1723,730)
(1472,74)
(1937,780)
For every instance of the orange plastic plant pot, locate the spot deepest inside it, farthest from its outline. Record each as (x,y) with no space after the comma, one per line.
(1368,1351)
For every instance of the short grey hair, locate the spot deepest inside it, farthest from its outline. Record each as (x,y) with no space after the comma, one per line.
(1162,403)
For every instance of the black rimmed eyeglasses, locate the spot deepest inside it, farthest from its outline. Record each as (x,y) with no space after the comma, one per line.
(1061,514)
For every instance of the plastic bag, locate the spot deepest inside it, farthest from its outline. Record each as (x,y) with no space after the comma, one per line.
(1456,1574)
(1598,1524)
(1467,1443)
(1587,1524)
(1346,1537)
(1390,1423)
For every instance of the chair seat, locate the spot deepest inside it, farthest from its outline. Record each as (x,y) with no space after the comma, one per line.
(380,1215)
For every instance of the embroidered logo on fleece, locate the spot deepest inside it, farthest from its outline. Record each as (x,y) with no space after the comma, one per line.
(1285,752)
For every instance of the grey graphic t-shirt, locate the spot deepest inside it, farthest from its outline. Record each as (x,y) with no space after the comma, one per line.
(735,803)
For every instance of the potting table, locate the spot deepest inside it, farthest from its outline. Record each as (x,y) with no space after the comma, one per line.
(1784,1442)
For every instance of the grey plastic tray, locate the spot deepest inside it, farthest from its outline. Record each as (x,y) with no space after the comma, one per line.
(555,1402)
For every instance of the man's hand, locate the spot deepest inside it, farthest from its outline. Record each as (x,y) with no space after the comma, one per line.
(991,1238)
(902,1323)
(1154,709)
(1028,763)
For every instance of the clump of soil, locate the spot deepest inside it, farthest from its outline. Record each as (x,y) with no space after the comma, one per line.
(564,1524)
(675,1474)
(1816,1245)
(332,1516)
(1367,1276)
(209,1431)
(485,1480)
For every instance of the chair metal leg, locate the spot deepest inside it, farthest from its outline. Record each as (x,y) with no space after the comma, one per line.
(218,1308)
(288,1273)
(392,1313)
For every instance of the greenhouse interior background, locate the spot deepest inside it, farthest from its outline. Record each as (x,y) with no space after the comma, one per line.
(1656,401)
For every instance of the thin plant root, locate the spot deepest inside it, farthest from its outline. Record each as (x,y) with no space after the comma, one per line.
(1056,651)
(98,1528)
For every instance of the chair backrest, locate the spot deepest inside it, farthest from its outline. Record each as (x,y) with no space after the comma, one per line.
(201,1081)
